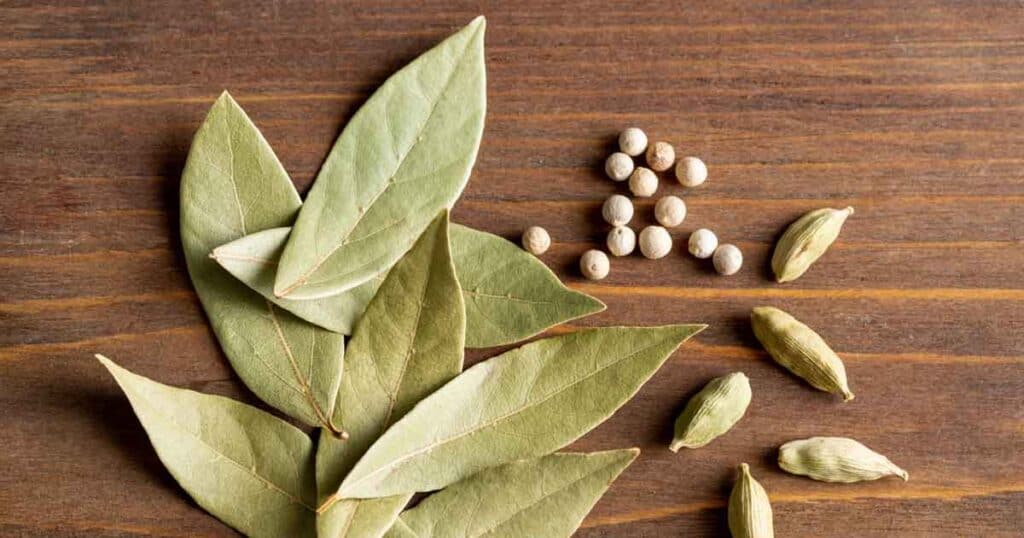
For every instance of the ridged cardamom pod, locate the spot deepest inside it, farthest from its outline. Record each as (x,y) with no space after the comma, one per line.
(712,411)
(836,459)
(800,349)
(805,241)
(750,512)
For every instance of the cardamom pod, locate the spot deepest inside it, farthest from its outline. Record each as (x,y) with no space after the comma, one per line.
(750,512)
(805,241)
(712,411)
(836,459)
(800,349)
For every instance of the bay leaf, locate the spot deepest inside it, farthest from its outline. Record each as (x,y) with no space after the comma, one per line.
(406,154)
(360,518)
(547,496)
(523,403)
(253,260)
(509,294)
(407,344)
(233,185)
(250,469)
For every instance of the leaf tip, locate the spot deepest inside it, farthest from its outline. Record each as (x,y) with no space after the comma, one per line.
(689,330)
(112,367)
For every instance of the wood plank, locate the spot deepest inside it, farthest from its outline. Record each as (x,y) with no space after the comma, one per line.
(912,113)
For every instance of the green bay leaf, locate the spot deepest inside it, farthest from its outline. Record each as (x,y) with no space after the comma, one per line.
(248,468)
(406,154)
(234,185)
(509,294)
(547,496)
(524,403)
(408,344)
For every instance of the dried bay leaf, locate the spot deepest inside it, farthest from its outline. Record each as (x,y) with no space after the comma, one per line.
(406,154)
(253,260)
(547,496)
(524,403)
(233,185)
(408,344)
(360,518)
(248,468)
(510,295)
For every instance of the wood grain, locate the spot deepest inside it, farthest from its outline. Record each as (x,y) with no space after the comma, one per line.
(912,112)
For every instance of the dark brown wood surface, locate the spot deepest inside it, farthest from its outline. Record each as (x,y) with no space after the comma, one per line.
(912,112)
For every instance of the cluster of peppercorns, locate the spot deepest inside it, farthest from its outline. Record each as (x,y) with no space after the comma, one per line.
(669,211)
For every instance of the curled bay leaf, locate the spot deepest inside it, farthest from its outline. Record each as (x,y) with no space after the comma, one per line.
(406,154)
(509,294)
(408,344)
(234,185)
(547,496)
(248,468)
(524,403)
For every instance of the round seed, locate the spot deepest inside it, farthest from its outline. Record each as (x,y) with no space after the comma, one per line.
(621,241)
(594,264)
(618,166)
(670,211)
(632,141)
(643,182)
(703,243)
(536,240)
(727,259)
(661,156)
(655,242)
(617,210)
(691,171)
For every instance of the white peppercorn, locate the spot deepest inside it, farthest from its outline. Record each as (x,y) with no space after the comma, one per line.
(661,156)
(621,241)
(655,242)
(670,211)
(536,240)
(594,264)
(632,141)
(691,171)
(643,182)
(617,210)
(727,259)
(703,243)
(618,166)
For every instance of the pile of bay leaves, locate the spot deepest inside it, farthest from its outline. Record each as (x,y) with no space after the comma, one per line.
(354,321)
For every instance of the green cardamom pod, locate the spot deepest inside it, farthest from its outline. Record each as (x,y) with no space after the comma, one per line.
(750,512)
(805,241)
(800,349)
(712,411)
(836,459)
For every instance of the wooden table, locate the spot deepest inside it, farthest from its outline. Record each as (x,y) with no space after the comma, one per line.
(911,112)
